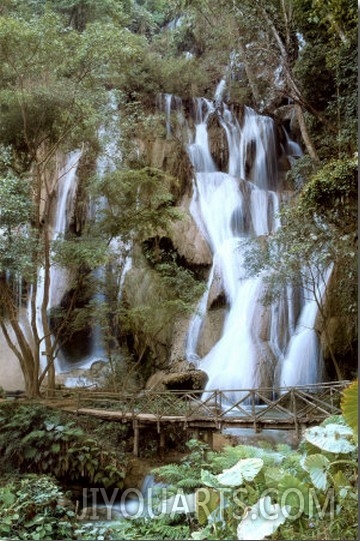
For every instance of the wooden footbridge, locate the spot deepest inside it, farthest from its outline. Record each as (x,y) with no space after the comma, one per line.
(288,408)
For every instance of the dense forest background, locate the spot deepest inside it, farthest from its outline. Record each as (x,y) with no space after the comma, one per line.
(294,60)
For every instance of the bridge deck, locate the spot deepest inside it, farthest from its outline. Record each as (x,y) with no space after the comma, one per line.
(283,409)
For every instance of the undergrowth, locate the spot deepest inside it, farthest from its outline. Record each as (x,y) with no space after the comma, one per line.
(40,440)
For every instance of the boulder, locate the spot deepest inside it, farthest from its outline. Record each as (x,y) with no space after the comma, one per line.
(190,380)
(188,240)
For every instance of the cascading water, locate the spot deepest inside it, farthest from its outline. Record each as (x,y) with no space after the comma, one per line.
(81,354)
(67,186)
(298,367)
(66,189)
(107,162)
(256,348)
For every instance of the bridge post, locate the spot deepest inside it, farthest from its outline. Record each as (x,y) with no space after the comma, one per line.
(294,411)
(253,410)
(161,447)
(208,438)
(136,438)
(195,433)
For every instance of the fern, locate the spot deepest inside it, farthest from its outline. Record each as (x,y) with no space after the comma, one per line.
(34,438)
(189,483)
(231,455)
(170,473)
(160,528)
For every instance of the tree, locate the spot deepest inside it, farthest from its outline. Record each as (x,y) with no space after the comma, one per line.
(135,222)
(291,51)
(52,95)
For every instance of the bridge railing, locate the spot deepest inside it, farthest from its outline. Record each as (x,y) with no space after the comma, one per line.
(285,405)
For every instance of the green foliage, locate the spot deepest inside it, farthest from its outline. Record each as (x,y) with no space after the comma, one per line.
(329,30)
(313,65)
(300,172)
(319,230)
(57,88)
(32,507)
(83,252)
(179,282)
(288,494)
(17,241)
(139,203)
(167,527)
(37,440)
(80,13)
(188,471)
(332,194)
(350,406)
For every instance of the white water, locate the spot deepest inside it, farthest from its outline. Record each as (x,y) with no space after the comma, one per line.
(303,360)
(119,252)
(66,185)
(259,346)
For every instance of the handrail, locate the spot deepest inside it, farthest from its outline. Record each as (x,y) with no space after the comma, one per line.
(291,405)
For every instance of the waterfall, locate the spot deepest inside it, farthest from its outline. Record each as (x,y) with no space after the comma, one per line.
(81,354)
(119,251)
(260,345)
(303,359)
(66,185)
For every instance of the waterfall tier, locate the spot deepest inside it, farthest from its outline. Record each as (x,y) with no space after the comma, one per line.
(260,346)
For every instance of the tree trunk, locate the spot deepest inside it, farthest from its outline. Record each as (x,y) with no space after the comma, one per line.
(305,134)
(49,350)
(18,343)
(249,72)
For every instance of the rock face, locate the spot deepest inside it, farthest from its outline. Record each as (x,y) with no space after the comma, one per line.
(188,380)
(218,143)
(338,334)
(211,331)
(188,240)
(168,346)
(91,377)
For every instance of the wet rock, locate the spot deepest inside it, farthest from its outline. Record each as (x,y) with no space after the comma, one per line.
(216,291)
(211,330)
(189,242)
(194,380)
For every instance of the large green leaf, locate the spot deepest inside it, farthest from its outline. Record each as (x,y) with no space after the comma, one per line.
(206,501)
(262,520)
(180,503)
(209,479)
(272,476)
(333,438)
(244,470)
(350,405)
(294,493)
(317,465)
(342,484)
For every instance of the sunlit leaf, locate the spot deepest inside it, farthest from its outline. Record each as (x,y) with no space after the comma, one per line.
(245,470)
(350,405)
(209,479)
(317,465)
(262,520)
(333,438)
(295,493)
